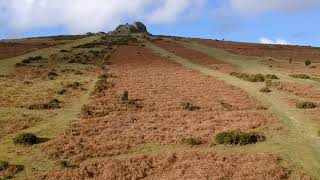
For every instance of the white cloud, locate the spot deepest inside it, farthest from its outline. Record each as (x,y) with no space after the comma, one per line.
(276,41)
(79,16)
(171,9)
(257,7)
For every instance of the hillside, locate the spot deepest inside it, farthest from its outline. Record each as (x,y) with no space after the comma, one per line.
(137,106)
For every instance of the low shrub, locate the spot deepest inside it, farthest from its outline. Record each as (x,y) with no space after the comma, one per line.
(74,85)
(300,76)
(226,105)
(26,139)
(188,106)
(290,60)
(51,75)
(307,63)
(64,51)
(62,91)
(53,104)
(191,141)
(265,90)
(271,76)
(125,96)
(66,164)
(249,77)
(102,84)
(306,105)
(3,165)
(238,138)
(86,110)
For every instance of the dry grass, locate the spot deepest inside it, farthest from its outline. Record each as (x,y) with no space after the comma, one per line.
(183,165)
(159,87)
(195,56)
(296,53)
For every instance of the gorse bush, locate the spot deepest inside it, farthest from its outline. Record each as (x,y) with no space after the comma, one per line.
(86,110)
(65,164)
(53,104)
(102,84)
(300,76)
(265,90)
(271,76)
(238,138)
(191,141)
(26,139)
(3,165)
(249,77)
(306,105)
(125,96)
(188,106)
(307,63)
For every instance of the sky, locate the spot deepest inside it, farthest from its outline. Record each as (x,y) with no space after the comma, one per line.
(293,22)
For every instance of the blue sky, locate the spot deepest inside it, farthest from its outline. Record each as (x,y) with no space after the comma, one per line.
(267,21)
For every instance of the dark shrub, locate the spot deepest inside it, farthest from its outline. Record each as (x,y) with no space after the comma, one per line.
(26,61)
(102,84)
(265,90)
(238,138)
(307,63)
(271,76)
(300,76)
(290,60)
(53,104)
(3,165)
(25,139)
(191,141)
(249,77)
(64,51)
(306,105)
(188,106)
(65,164)
(226,105)
(125,96)
(86,110)
(62,91)
(52,75)
(77,72)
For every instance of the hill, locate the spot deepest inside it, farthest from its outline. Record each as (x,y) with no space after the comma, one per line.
(136,106)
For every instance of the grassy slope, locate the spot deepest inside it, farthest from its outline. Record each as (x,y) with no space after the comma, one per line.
(301,144)
(32,157)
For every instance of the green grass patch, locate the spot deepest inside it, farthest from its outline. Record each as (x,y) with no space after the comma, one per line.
(238,138)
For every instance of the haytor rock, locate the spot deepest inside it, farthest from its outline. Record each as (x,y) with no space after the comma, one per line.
(136,27)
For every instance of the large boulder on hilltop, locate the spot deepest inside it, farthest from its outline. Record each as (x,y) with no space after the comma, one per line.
(136,27)
(140,27)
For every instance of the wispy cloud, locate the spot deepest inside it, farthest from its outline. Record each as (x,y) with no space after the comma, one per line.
(276,41)
(258,7)
(78,16)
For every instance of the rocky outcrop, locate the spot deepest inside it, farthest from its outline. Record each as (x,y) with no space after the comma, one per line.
(136,27)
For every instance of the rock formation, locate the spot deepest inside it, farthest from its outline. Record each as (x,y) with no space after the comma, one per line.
(136,27)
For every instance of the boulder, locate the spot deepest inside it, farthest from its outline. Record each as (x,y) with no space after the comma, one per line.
(136,27)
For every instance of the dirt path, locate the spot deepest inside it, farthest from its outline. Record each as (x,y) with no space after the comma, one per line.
(301,144)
